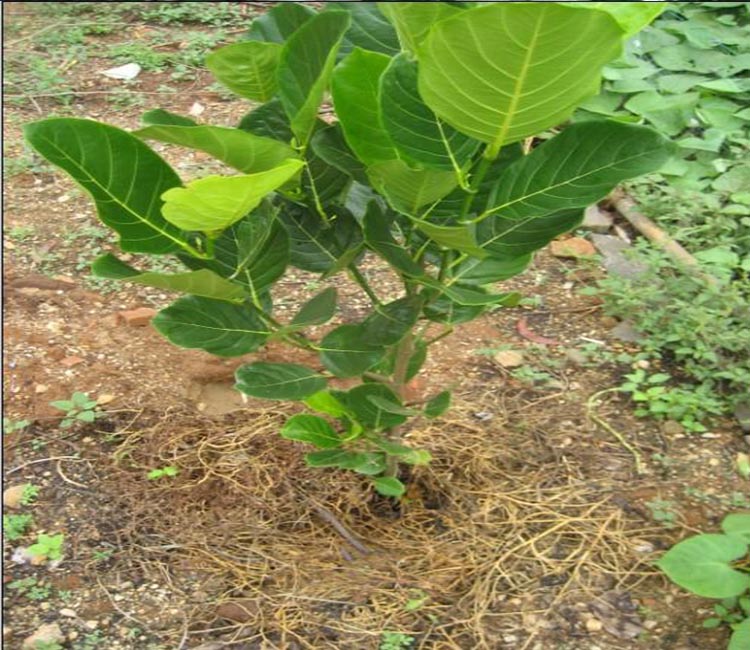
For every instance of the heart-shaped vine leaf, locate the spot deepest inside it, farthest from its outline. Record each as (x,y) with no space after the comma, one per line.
(278,381)
(217,327)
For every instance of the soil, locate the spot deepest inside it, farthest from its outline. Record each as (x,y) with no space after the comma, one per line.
(530,529)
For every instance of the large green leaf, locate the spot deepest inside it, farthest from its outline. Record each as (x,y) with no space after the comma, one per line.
(740,639)
(357,401)
(506,71)
(377,230)
(460,238)
(355,92)
(631,16)
(438,404)
(330,146)
(367,463)
(369,29)
(253,252)
(312,429)
(668,114)
(268,120)
(408,189)
(165,118)
(247,68)
(576,168)
(217,327)
(389,323)
(346,352)
(316,311)
(122,174)
(413,20)
(701,564)
(317,246)
(737,524)
(305,68)
(278,381)
(418,135)
(326,182)
(489,270)
(244,151)
(203,282)
(280,22)
(214,203)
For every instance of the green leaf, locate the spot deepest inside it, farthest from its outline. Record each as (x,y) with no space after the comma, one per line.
(355,91)
(447,311)
(413,20)
(367,463)
(740,639)
(405,454)
(631,16)
(330,458)
(701,564)
(247,68)
(123,175)
(346,352)
(670,115)
(369,29)
(317,246)
(312,429)
(254,253)
(540,195)
(280,22)
(679,83)
(217,327)
(379,238)
(268,120)
(493,269)
(63,405)
(417,134)
(324,402)
(284,381)
(324,181)
(86,416)
(392,407)
(316,311)
(497,72)
(735,180)
(330,146)
(389,323)
(408,189)
(239,149)
(214,203)
(460,238)
(737,524)
(199,283)
(438,404)
(165,118)
(417,360)
(305,67)
(389,486)
(369,415)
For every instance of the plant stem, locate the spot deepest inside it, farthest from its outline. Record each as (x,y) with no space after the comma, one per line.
(487,158)
(362,282)
(403,353)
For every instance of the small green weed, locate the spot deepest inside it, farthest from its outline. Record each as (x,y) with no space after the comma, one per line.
(30,494)
(204,13)
(31,589)
(729,611)
(90,641)
(395,641)
(80,407)
(663,512)
(47,645)
(162,472)
(48,546)
(15,526)
(11,426)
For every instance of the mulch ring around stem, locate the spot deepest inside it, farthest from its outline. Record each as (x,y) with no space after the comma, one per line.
(501,541)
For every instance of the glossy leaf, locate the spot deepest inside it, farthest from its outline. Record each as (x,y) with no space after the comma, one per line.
(324,402)
(305,68)
(345,351)
(408,189)
(214,203)
(203,282)
(217,327)
(355,91)
(122,174)
(329,145)
(369,30)
(502,72)
(701,564)
(389,486)
(239,149)
(413,20)
(357,401)
(392,407)
(247,68)
(631,16)
(268,120)
(165,118)
(460,238)
(312,429)
(379,238)
(389,323)
(438,404)
(489,270)
(316,311)
(280,22)
(417,134)
(278,381)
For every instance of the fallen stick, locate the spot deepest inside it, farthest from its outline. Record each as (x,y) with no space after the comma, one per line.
(629,210)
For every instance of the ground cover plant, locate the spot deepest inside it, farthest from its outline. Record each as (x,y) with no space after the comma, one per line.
(430,164)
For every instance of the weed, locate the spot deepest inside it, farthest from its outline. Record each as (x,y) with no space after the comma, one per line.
(90,641)
(102,556)
(530,375)
(80,407)
(15,526)
(30,494)
(663,512)
(395,641)
(205,13)
(31,589)
(47,546)
(11,426)
(140,53)
(47,645)
(168,471)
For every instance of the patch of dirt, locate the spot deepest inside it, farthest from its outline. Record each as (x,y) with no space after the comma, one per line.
(530,530)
